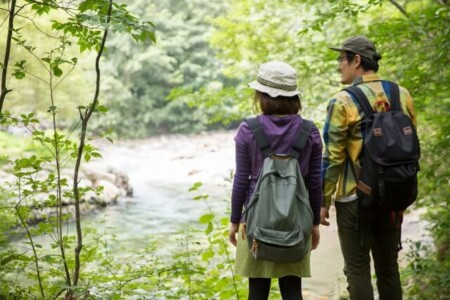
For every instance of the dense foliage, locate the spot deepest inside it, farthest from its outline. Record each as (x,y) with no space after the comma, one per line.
(140,79)
(53,270)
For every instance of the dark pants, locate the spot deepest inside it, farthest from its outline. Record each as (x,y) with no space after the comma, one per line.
(361,231)
(290,288)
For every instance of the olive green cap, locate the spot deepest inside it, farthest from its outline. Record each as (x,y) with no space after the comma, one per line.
(359,45)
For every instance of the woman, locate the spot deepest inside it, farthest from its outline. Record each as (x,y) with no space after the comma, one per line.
(277,96)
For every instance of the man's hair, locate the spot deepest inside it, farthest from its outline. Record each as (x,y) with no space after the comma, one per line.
(280,105)
(366,63)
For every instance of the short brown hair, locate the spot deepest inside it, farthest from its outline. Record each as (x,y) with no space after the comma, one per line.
(280,105)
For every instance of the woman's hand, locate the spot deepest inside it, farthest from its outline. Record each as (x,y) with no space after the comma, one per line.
(234,227)
(315,237)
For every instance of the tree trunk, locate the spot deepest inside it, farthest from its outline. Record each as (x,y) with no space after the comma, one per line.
(84,123)
(4,90)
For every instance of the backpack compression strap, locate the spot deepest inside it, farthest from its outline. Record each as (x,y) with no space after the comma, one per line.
(260,136)
(302,138)
(365,104)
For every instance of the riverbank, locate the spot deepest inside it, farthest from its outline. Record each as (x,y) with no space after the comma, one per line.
(112,184)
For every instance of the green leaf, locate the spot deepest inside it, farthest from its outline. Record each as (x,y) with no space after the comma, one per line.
(200,197)
(41,8)
(49,259)
(86,5)
(102,108)
(57,71)
(8,259)
(83,47)
(206,218)
(224,221)
(209,229)
(18,74)
(96,154)
(208,254)
(195,186)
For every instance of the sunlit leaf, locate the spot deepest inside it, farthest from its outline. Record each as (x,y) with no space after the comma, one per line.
(206,218)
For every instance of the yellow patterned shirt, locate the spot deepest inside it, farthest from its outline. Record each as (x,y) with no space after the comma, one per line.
(343,137)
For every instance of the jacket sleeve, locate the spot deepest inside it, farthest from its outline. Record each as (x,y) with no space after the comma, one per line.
(410,106)
(241,182)
(334,136)
(314,178)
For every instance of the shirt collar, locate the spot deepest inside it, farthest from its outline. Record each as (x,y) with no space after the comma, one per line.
(366,78)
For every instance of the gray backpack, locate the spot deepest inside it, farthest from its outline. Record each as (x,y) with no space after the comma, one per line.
(278,217)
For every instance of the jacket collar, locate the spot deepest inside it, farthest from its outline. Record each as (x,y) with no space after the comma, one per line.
(366,78)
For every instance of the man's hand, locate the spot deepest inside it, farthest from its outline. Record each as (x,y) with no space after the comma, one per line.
(324,216)
(315,237)
(234,227)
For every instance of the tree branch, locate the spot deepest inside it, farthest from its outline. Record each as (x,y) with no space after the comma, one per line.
(402,10)
(37,27)
(30,238)
(53,5)
(58,185)
(6,17)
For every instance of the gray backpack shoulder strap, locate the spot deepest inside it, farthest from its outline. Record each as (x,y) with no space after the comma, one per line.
(302,138)
(260,136)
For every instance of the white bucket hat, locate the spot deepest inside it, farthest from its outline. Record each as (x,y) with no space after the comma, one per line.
(276,79)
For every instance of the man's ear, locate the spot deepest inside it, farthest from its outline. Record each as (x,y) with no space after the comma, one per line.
(357,60)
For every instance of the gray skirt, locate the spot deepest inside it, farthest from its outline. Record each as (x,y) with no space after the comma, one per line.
(248,266)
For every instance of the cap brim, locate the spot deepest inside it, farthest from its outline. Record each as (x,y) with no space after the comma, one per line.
(272,92)
(337,49)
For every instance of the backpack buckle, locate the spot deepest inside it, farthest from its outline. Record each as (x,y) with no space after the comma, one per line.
(380,169)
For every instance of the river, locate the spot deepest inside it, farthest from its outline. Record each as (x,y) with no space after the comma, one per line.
(162,169)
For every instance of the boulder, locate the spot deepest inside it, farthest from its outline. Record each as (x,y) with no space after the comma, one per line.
(110,192)
(115,185)
(94,174)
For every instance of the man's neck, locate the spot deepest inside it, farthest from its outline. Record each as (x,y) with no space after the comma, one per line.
(363,73)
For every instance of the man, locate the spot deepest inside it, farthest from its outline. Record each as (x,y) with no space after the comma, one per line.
(361,230)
